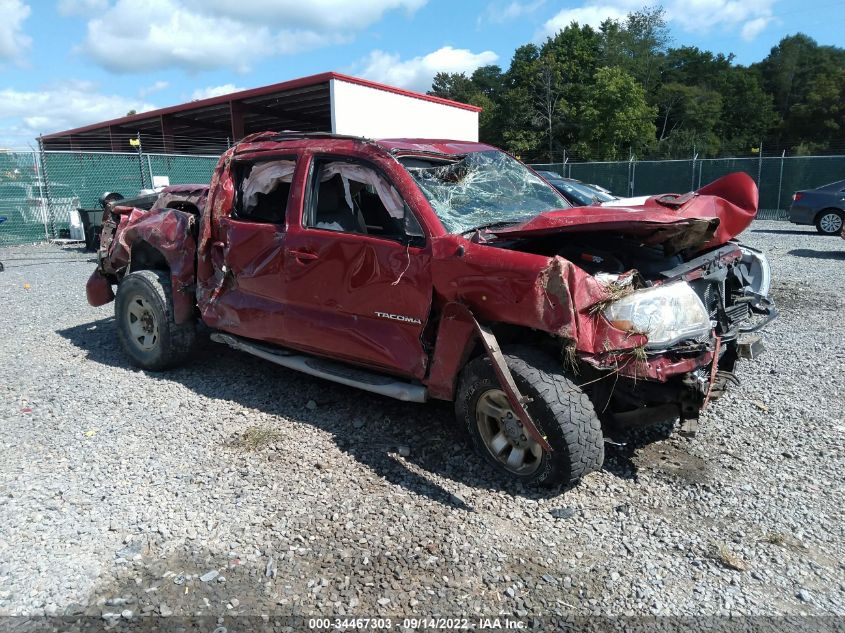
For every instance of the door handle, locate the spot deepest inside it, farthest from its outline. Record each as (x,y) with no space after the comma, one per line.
(304,256)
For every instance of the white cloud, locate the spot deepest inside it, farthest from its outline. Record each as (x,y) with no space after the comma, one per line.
(13,41)
(593,15)
(82,7)
(60,107)
(319,15)
(158,86)
(214,91)
(750,17)
(207,34)
(500,12)
(418,72)
(754,27)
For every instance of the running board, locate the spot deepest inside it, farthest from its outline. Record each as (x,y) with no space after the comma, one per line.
(329,370)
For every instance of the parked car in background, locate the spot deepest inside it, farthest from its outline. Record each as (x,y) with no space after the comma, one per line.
(577,193)
(823,206)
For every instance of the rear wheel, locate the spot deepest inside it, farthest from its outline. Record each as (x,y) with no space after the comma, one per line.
(562,412)
(143,311)
(830,222)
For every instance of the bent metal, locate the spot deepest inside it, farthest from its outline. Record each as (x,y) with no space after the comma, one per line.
(548,326)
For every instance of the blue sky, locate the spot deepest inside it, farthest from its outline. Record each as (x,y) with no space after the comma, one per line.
(65,63)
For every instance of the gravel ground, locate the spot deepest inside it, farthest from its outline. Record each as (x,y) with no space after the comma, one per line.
(232,486)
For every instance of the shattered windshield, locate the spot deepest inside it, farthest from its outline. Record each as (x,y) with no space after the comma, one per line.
(481,189)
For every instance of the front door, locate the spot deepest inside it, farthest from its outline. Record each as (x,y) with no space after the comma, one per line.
(357,287)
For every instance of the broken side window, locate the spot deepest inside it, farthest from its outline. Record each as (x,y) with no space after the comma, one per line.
(481,189)
(355,198)
(263,191)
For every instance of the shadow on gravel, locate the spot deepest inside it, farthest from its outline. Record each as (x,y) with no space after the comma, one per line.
(813,254)
(810,231)
(622,457)
(366,426)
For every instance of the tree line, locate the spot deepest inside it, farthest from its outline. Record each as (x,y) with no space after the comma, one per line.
(622,90)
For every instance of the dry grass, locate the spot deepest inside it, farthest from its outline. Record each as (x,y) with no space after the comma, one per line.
(730,560)
(639,354)
(569,358)
(257,437)
(615,291)
(782,539)
(775,538)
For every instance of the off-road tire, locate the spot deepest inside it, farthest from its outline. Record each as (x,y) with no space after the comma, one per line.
(175,341)
(827,212)
(559,408)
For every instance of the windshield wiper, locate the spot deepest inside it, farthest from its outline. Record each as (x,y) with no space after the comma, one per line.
(491,225)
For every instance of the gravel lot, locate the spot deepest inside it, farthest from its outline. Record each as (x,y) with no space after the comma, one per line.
(234,486)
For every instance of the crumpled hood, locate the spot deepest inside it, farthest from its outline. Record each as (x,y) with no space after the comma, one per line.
(705,218)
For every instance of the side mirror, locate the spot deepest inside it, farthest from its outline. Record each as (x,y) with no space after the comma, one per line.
(413,231)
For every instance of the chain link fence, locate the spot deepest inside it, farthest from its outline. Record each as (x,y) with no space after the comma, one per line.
(777,177)
(39,191)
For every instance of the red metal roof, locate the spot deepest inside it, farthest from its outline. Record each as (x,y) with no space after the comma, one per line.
(301,82)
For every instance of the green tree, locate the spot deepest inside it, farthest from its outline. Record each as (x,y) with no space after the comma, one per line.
(688,118)
(455,86)
(688,65)
(748,114)
(805,81)
(615,118)
(637,44)
(482,89)
(520,132)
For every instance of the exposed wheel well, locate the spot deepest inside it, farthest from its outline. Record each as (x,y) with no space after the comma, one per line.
(145,256)
(509,335)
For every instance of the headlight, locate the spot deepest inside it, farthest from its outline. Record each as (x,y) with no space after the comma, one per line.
(665,314)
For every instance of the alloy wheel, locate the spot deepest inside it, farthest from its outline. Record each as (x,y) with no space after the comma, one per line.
(503,434)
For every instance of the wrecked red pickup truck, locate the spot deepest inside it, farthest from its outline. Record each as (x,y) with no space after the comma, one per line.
(423,269)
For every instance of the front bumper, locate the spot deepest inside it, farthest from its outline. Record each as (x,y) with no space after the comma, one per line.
(678,383)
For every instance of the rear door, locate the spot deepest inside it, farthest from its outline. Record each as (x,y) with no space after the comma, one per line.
(250,252)
(358,287)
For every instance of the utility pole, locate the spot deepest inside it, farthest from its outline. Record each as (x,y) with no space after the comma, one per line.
(136,143)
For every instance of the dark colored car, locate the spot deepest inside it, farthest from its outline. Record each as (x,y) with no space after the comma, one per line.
(422,269)
(823,206)
(577,193)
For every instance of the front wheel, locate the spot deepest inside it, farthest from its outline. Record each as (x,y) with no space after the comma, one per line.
(560,410)
(830,222)
(143,310)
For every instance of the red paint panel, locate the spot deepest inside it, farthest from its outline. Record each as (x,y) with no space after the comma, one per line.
(657,368)
(456,336)
(547,294)
(339,286)
(171,233)
(716,214)
(250,261)
(98,290)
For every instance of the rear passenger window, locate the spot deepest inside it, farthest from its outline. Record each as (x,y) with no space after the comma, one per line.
(263,190)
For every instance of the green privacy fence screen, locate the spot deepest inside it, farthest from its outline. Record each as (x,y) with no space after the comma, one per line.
(22,203)
(777,177)
(40,191)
